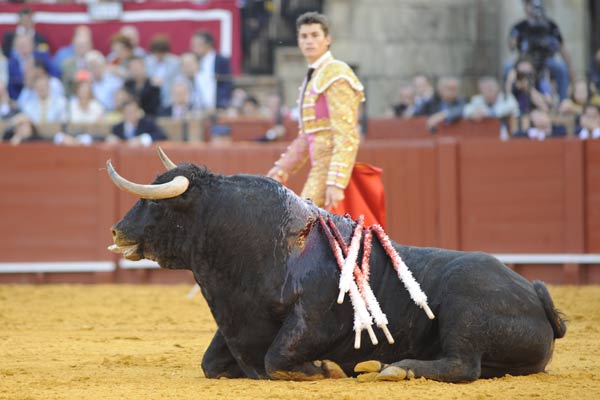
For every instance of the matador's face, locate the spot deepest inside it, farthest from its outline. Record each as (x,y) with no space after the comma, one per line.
(313,42)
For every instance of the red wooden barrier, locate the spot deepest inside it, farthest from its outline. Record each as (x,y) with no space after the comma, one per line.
(405,128)
(475,194)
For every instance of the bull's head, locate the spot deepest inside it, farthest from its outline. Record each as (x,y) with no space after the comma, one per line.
(190,218)
(148,226)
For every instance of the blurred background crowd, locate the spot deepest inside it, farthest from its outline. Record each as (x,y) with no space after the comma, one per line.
(123,94)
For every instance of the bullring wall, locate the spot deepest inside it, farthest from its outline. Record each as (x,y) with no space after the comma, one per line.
(516,196)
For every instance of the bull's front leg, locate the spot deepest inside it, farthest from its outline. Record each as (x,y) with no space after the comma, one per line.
(218,362)
(292,355)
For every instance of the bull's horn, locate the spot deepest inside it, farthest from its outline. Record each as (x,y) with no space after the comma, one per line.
(169,165)
(177,186)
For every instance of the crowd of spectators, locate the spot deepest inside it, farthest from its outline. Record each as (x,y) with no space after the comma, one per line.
(128,87)
(537,96)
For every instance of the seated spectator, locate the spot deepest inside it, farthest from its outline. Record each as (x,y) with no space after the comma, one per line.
(21,130)
(238,97)
(45,107)
(104,83)
(8,108)
(3,70)
(490,102)
(162,67)
(136,129)
(275,111)
(541,125)
(251,107)
(573,106)
(594,72)
(121,52)
(590,122)
(25,26)
(24,54)
(69,50)
(32,71)
(130,32)
(83,107)
(70,66)
(423,93)
(214,76)
(181,106)
(189,68)
(405,107)
(446,106)
(145,93)
(115,116)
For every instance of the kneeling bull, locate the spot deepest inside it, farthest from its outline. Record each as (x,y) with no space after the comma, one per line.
(270,278)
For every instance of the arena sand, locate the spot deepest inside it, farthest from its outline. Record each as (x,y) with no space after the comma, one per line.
(146,342)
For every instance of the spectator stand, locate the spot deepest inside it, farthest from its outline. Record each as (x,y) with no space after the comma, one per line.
(181,19)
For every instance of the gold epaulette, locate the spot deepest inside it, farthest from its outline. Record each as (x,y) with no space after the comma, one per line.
(331,72)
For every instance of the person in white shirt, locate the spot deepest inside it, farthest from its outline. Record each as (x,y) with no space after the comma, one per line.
(83,107)
(490,102)
(214,75)
(104,83)
(590,122)
(45,107)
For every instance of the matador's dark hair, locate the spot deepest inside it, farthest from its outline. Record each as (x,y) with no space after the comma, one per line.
(313,17)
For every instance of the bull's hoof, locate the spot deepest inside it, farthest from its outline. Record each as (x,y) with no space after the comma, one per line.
(333,370)
(369,366)
(367,377)
(392,373)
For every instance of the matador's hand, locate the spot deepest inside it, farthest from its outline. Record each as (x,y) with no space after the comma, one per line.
(333,195)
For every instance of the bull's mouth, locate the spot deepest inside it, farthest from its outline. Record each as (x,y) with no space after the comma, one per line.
(129,251)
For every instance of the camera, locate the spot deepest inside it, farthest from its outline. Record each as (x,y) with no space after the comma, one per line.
(527,76)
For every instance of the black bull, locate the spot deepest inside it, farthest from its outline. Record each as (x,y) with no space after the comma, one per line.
(270,279)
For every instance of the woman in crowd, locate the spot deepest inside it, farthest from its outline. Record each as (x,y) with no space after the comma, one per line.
(83,107)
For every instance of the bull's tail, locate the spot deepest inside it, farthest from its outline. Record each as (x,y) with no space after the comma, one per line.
(555,317)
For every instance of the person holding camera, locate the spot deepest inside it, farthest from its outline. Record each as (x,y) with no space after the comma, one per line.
(521,83)
(539,38)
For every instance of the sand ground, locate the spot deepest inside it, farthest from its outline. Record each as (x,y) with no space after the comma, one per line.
(146,342)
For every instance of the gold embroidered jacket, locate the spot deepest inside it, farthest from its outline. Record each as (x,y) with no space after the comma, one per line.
(328,129)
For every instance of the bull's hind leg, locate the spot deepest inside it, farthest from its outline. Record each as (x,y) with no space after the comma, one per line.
(292,354)
(218,362)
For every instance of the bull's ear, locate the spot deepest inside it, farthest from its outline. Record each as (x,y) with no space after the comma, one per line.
(185,201)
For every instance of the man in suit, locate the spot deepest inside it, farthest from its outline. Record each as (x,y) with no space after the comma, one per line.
(214,76)
(136,129)
(24,54)
(140,86)
(181,106)
(162,66)
(25,26)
